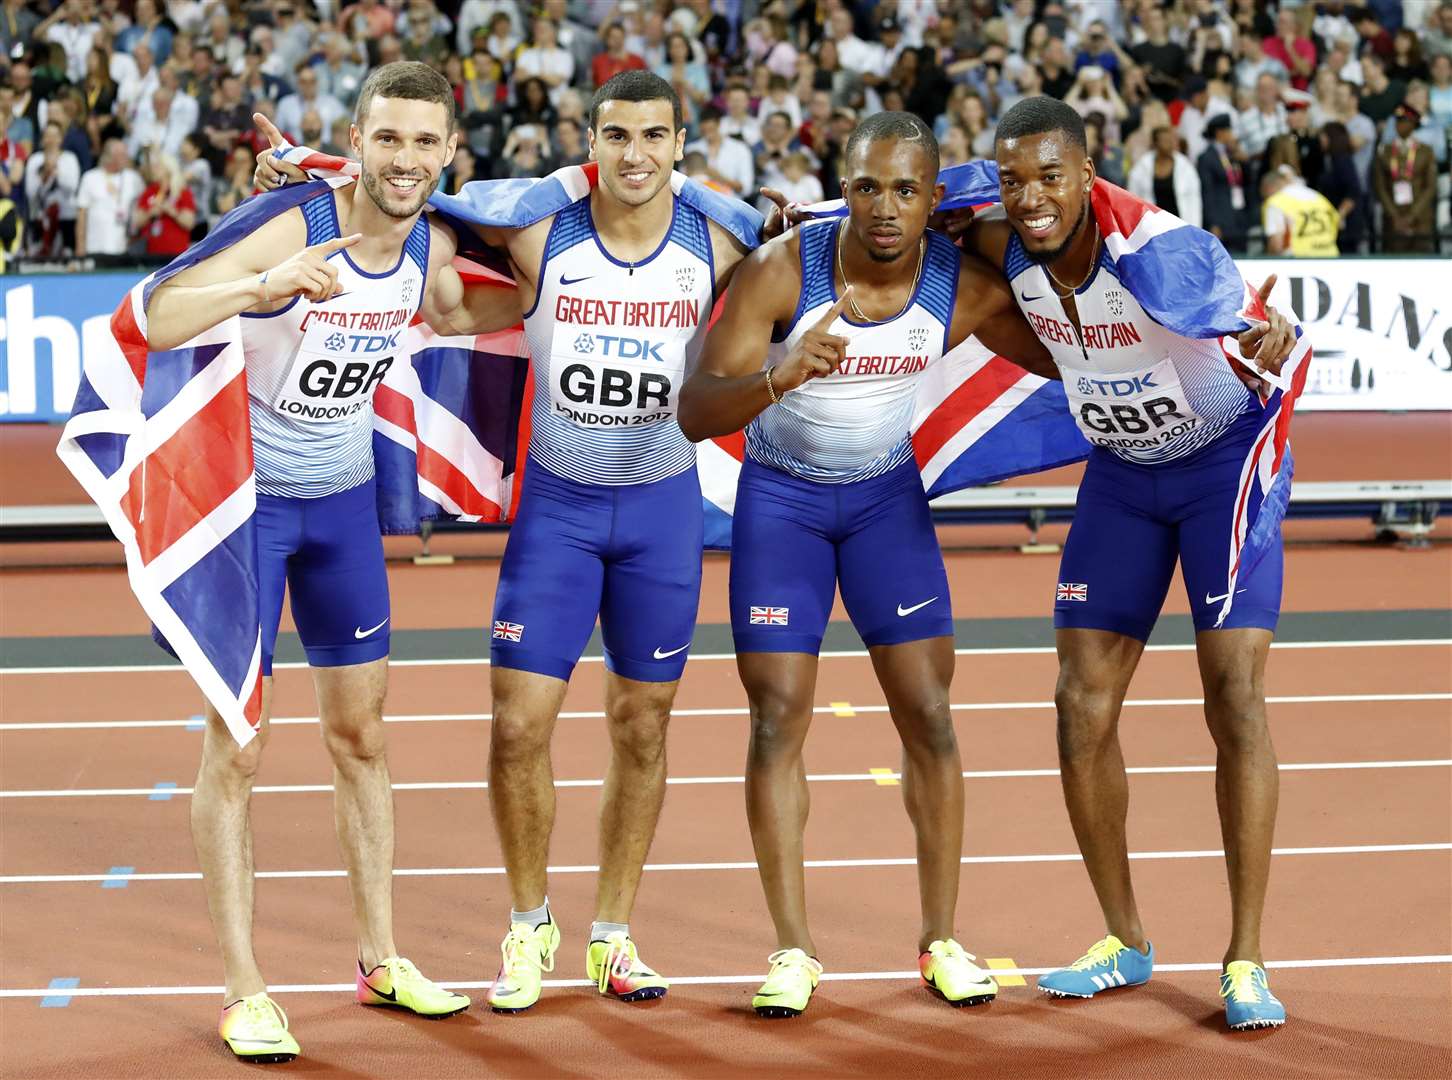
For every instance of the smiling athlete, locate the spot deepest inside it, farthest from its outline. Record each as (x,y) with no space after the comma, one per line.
(1176,434)
(320,328)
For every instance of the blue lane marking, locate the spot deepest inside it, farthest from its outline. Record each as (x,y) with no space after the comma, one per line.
(59,1001)
(196,723)
(119,877)
(162,791)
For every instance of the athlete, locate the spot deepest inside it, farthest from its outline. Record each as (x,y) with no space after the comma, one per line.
(617,289)
(319,327)
(1172,428)
(846,315)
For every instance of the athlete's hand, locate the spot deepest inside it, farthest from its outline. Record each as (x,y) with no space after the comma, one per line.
(816,354)
(1268,343)
(784,215)
(272,172)
(308,273)
(953,223)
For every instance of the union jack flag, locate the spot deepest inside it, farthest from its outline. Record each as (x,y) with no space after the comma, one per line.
(508,631)
(1071,591)
(768,616)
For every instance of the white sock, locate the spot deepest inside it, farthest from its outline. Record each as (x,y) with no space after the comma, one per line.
(534,917)
(599,931)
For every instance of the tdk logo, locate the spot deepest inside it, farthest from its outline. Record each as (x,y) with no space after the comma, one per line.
(620,348)
(1136,384)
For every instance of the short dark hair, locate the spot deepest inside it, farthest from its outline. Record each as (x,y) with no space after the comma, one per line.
(408,80)
(636,86)
(1039,116)
(903,126)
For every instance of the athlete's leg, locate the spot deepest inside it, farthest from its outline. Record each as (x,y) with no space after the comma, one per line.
(783,582)
(350,703)
(906,619)
(222,834)
(544,610)
(1115,572)
(1247,778)
(780,688)
(637,714)
(521,776)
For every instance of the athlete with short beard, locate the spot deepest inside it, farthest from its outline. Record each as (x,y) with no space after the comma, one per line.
(818,353)
(318,329)
(1175,437)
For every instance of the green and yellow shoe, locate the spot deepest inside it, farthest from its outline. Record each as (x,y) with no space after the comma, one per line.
(527,953)
(398,984)
(617,970)
(789,985)
(255,1029)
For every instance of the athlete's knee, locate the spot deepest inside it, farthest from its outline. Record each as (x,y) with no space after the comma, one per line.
(778,726)
(226,761)
(515,735)
(1087,717)
(355,739)
(1235,710)
(638,730)
(926,727)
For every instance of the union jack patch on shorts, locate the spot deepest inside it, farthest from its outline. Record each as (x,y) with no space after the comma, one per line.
(768,616)
(1071,591)
(508,631)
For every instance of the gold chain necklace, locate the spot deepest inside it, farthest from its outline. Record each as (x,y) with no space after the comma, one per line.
(1093,262)
(857,312)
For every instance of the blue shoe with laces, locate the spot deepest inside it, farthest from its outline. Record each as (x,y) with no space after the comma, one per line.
(1108,965)
(1249,1003)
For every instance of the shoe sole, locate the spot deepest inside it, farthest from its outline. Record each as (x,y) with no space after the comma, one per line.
(412,1012)
(1252,1025)
(263,1059)
(646,993)
(961,1003)
(777,1012)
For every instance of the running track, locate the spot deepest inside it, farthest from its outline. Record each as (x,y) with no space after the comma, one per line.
(1360,897)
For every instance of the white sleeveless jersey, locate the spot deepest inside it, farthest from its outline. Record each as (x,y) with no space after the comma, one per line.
(855,423)
(610,344)
(312,368)
(1136,388)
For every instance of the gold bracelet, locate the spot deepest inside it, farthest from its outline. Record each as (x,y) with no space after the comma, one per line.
(771,389)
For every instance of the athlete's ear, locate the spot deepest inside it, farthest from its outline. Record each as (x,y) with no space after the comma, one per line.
(590,140)
(938,190)
(1089,173)
(680,144)
(355,140)
(450,148)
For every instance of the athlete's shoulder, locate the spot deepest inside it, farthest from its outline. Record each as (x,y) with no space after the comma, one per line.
(989,234)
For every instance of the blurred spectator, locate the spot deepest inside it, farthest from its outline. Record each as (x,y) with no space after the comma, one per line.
(147,25)
(476,15)
(52,180)
(728,160)
(570,147)
(1292,48)
(166,211)
(1439,93)
(1375,38)
(225,122)
(738,121)
(372,20)
(339,140)
(1406,61)
(72,26)
(545,60)
(196,174)
(235,185)
(524,151)
(1380,95)
(778,139)
(1093,91)
(1254,63)
(614,58)
(308,96)
(532,105)
(1298,221)
(1437,34)
(461,170)
(1265,119)
(157,129)
(501,41)
(1309,158)
(1405,180)
(340,75)
(228,45)
(1164,61)
(1340,181)
(421,38)
(686,74)
(1221,167)
(1167,178)
(17,25)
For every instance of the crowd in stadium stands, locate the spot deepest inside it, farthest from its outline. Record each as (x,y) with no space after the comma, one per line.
(128,122)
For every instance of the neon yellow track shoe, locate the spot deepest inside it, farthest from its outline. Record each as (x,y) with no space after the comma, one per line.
(950,973)
(255,1029)
(526,954)
(617,970)
(398,984)
(789,985)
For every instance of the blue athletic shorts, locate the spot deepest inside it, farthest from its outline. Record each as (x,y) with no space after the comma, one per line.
(1132,522)
(328,553)
(794,540)
(629,554)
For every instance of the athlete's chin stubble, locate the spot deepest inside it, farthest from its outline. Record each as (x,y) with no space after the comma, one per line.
(379,195)
(1050,256)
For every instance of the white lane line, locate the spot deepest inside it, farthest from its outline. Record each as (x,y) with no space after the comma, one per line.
(689,781)
(697,980)
(811,864)
(830,654)
(597,714)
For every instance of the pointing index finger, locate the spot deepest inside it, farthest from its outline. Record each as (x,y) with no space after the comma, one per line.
(269,130)
(830,316)
(337,243)
(1265,288)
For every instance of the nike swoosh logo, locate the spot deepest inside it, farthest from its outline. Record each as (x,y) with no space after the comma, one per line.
(1026,298)
(392,995)
(901,611)
(1224,596)
(573,280)
(360,633)
(666,655)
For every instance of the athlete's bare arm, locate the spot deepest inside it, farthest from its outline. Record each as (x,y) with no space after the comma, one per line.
(727,253)
(985,308)
(245,277)
(729,388)
(452,307)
